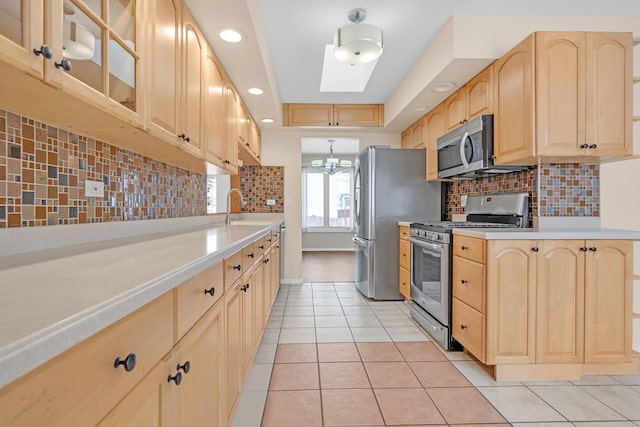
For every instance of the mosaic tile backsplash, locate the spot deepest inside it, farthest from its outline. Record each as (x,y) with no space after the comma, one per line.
(557,189)
(43,170)
(259,183)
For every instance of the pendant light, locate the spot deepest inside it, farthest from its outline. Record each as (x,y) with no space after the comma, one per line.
(358,43)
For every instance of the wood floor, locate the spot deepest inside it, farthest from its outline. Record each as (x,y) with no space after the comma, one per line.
(328,266)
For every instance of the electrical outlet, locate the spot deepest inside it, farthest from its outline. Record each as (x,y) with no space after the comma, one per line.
(93,188)
(463,200)
(271,202)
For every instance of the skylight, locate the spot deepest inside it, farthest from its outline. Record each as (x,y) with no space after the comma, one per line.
(341,77)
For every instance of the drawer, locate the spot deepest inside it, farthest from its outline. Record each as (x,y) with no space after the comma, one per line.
(275,233)
(469,282)
(470,248)
(405,253)
(232,269)
(260,246)
(81,386)
(468,327)
(196,296)
(404,231)
(249,256)
(269,241)
(405,284)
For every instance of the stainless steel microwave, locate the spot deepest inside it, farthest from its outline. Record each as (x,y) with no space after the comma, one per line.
(467,152)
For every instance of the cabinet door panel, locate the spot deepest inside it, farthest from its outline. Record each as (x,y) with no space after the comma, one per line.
(480,94)
(560,302)
(405,139)
(455,109)
(513,100)
(560,93)
(608,299)
(307,114)
(468,327)
(511,302)
(214,103)
(248,298)
(468,282)
(419,134)
(233,348)
(609,93)
(193,44)
(258,316)
(21,30)
(435,129)
(231,134)
(357,115)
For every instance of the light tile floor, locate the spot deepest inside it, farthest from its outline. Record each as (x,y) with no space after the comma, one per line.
(330,357)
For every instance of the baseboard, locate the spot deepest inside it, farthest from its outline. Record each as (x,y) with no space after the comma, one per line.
(291,281)
(328,250)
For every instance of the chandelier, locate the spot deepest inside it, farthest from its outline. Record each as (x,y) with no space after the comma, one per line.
(358,43)
(331,165)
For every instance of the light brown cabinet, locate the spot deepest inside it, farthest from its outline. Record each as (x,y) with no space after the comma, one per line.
(560,308)
(435,126)
(404,278)
(360,115)
(231,129)
(470,101)
(214,104)
(563,95)
(415,136)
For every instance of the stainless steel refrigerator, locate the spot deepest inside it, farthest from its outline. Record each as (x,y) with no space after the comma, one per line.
(389,186)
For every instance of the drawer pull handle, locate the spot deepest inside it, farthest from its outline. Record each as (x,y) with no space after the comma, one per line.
(250,255)
(584,146)
(260,247)
(185,367)
(593,146)
(177,378)
(266,260)
(129,362)
(268,240)
(463,327)
(404,254)
(210,291)
(237,267)
(245,288)
(593,249)
(44,51)
(583,249)
(464,248)
(464,282)
(535,249)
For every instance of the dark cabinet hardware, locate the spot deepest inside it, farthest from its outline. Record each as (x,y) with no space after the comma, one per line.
(464,248)
(226,162)
(266,260)
(247,144)
(44,51)
(584,146)
(177,378)
(250,255)
(185,367)
(210,291)
(128,362)
(535,249)
(245,288)
(463,327)
(593,146)
(261,247)
(464,282)
(184,137)
(237,267)
(404,254)
(65,64)
(583,249)
(268,240)
(593,249)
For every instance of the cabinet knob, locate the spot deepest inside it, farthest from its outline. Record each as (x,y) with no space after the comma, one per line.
(65,64)
(593,249)
(237,267)
(210,291)
(247,144)
(583,249)
(250,255)
(268,240)
(464,248)
(128,362)
(177,378)
(44,51)
(186,366)
(535,249)
(261,247)
(244,288)
(266,260)
(337,124)
(593,146)
(584,146)
(464,282)
(329,124)
(226,162)
(463,327)
(184,137)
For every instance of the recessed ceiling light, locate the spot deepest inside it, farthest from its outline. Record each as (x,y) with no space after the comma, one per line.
(267,120)
(255,91)
(230,35)
(444,87)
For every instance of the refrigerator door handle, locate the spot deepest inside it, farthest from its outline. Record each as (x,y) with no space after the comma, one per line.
(358,241)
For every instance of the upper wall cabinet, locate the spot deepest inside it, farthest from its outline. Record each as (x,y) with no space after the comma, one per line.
(435,128)
(231,129)
(88,49)
(214,104)
(563,95)
(361,115)
(415,136)
(472,100)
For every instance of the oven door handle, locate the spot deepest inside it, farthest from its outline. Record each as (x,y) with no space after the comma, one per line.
(421,243)
(463,158)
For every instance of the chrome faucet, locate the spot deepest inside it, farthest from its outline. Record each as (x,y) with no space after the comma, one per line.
(233,190)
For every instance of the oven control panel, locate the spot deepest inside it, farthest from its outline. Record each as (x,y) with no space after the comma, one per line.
(430,235)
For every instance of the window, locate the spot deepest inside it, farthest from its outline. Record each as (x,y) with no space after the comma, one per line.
(212,200)
(326,200)
(217,189)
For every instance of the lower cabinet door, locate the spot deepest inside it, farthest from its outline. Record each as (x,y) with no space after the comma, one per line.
(405,286)
(233,348)
(468,328)
(198,362)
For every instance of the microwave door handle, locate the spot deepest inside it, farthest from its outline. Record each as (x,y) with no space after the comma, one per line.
(462,156)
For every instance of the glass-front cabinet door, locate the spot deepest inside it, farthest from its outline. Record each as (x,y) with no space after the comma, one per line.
(21,31)
(95,52)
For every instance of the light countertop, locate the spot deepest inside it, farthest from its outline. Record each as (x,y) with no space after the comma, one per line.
(57,298)
(547,233)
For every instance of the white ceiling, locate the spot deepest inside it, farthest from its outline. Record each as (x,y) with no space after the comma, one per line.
(321,145)
(284,47)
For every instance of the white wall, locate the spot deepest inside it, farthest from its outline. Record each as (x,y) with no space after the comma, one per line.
(284,149)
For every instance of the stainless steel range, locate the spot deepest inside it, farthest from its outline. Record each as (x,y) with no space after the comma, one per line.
(431,258)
